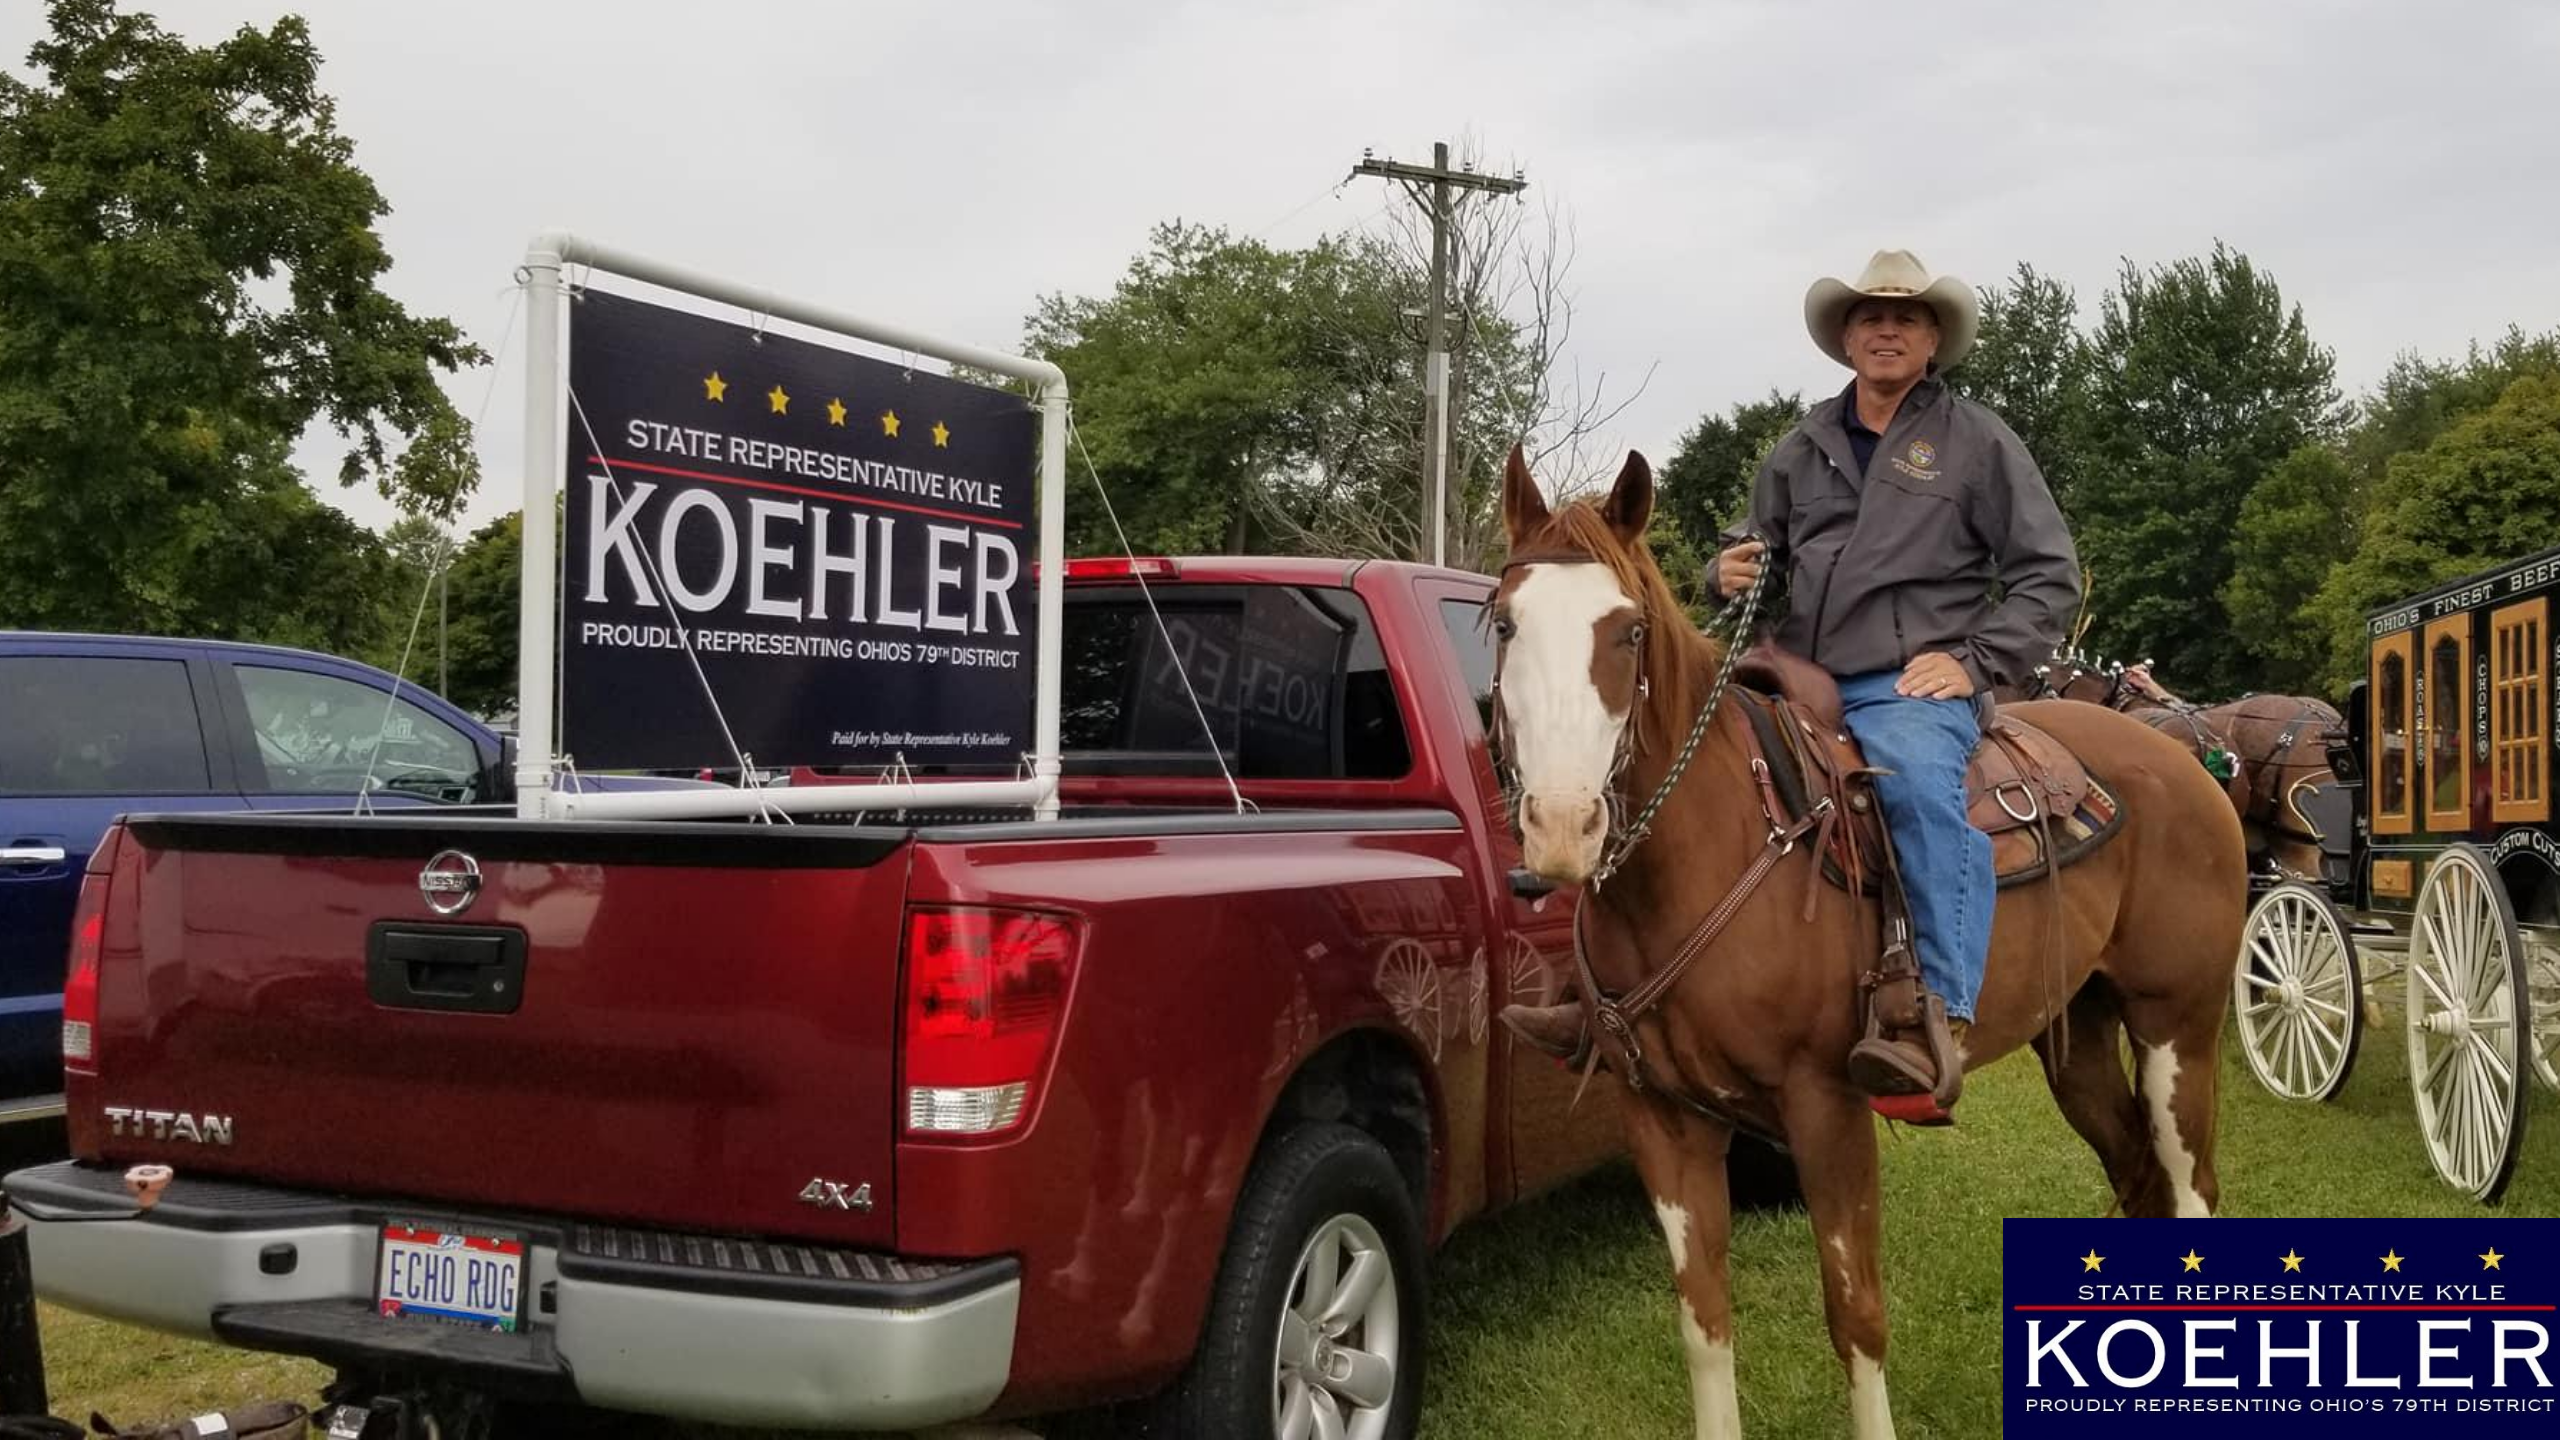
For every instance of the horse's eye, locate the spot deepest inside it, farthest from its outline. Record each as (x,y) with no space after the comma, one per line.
(1635,635)
(1503,629)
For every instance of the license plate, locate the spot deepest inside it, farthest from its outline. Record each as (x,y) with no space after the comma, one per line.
(461,1277)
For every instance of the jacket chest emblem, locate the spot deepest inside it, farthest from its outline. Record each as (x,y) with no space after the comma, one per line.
(1919,462)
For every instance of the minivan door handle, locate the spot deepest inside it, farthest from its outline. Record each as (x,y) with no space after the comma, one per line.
(33,855)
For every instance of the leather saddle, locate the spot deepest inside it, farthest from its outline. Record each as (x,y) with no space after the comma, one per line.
(2024,788)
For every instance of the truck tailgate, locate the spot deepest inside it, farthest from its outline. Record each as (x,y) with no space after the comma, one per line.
(677,1025)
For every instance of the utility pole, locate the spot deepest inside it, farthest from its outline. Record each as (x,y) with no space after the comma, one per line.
(1445,188)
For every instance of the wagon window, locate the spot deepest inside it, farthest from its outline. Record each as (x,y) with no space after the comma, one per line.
(2449,724)
(2519,742)
(2390,729)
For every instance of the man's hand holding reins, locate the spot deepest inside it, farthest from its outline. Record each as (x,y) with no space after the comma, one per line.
(1737,568)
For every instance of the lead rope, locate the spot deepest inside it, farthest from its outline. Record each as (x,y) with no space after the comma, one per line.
(1737,621)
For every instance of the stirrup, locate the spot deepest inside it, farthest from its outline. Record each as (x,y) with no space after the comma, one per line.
(1922,1065)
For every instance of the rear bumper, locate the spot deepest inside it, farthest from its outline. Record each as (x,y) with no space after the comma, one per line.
(741,1332)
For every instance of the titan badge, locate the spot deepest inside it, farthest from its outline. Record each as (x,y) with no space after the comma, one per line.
(168,1125)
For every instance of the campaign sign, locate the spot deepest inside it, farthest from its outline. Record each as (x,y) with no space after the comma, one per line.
(843,544)
(2259,1327)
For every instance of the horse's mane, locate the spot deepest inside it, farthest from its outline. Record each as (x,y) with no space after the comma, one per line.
(1677,658)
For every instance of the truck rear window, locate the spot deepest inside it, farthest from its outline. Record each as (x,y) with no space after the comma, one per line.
(1290,680)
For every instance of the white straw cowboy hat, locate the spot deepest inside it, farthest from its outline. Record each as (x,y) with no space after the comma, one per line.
(1895,274)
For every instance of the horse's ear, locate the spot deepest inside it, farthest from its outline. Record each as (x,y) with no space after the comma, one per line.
(1631,500)
(1523,508)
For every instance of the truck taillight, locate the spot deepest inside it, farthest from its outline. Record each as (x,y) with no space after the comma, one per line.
(985,990)
(88,938)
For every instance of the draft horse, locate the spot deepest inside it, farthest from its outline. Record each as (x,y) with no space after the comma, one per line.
(2278,744)
(1599,680)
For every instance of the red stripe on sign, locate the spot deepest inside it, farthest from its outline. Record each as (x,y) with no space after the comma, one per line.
(838,496)
(2229,1309)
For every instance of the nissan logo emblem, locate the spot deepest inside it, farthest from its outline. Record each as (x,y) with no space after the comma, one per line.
(450,882)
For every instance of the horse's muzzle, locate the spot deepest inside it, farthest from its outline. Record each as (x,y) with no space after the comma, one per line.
(1561,835)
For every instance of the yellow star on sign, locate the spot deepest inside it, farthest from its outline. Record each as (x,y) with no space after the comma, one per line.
(835,412)
(2490,1260)
(889,423)
(2194,1260)
(2092,1260)
(2291,1261)
(941,436)
(780,402)
(2392,1260)
(715,388)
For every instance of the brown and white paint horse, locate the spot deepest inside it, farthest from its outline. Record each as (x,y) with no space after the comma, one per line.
(1599,679)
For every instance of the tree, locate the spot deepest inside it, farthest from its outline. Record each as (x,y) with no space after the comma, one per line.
(2202,379)
(2419,399)
(486,607)
(189,267)
(2030,367)
(2287,541)
(1706,485)
(2486,491)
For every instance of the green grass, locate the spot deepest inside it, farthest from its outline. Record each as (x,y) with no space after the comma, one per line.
(1556,1320)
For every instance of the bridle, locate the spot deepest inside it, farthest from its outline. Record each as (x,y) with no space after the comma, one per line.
(1735,622)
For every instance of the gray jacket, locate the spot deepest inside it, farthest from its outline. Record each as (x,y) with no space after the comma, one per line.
(1902,561)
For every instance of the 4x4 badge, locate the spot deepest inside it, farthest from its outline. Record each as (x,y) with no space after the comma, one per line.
(450,882)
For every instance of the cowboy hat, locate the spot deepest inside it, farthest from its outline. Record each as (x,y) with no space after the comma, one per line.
(1896,274)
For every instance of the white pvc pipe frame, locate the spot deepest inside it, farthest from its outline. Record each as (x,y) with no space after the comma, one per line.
(546,380)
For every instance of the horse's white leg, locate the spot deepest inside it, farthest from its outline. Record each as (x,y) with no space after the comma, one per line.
(1682,1158)
(1834,1140)
(2160,1072)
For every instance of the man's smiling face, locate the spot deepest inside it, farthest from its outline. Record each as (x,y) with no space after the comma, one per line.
(1890,342)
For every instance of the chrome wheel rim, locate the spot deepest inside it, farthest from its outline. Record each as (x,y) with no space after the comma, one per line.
(1334,1368)
(2294,994)
(2466,1043)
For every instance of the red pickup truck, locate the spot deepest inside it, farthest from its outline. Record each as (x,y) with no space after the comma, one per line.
(861,1125)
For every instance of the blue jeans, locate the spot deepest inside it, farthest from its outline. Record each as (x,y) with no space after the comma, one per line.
(1946,863)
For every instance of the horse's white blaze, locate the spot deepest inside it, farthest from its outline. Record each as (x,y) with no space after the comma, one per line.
(1870,1416)
(1711,1392)
(1563,736)
(2159,1082)
(1675,1230)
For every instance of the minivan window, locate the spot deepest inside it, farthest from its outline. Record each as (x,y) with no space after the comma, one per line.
(99,725)
(316,735)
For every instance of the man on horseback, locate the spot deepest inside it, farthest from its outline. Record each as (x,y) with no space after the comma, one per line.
(1891,512)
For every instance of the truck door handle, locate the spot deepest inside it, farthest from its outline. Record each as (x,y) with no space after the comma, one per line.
(33,855)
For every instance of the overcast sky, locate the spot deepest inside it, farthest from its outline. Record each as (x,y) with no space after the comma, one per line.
(945,163)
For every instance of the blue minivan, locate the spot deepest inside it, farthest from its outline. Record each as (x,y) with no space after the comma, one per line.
(95,726)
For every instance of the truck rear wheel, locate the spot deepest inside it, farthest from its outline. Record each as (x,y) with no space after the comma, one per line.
(1315,1329)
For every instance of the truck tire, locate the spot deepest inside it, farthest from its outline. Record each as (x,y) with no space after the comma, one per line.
(1326,1247)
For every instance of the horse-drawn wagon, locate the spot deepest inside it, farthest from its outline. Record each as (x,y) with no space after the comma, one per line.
(2442,870)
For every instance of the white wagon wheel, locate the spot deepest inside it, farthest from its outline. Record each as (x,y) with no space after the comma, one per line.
(2466,1022)
(2297,994)
(2543,1006)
